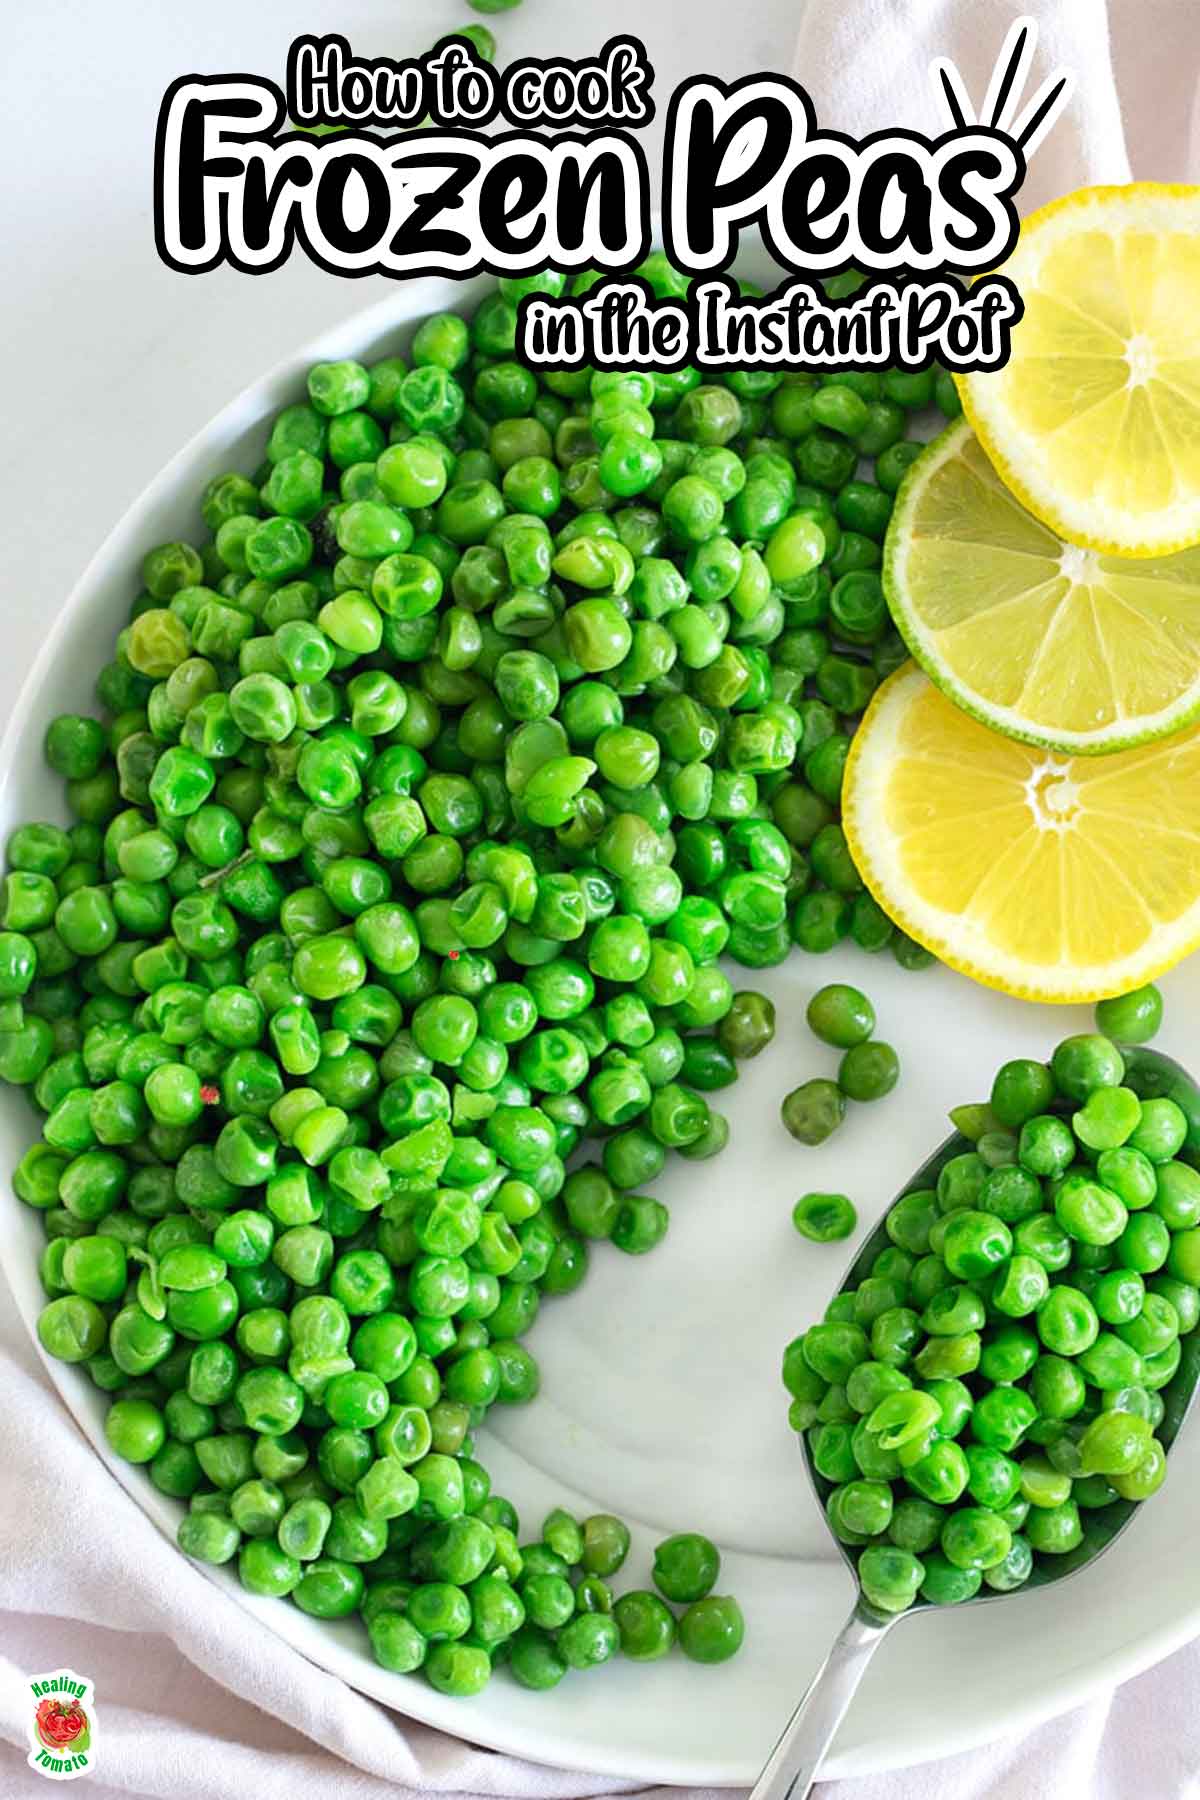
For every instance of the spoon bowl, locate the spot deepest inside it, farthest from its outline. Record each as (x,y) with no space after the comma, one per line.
(793,1764)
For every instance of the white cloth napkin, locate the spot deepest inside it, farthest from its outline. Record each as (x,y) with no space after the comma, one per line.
(1135,111)
(84,1579)
(866,65)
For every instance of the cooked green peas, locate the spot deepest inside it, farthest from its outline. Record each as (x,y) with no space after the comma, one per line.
(748,1026)
(1108,1117)
(75,746)
(208,1536)
(904,1417)
(95,1267)
(686,1567)
(1161,1131)
(1088,1212)
(329,1589)
(890,1577)
(1067,1323)
(868,1071)
(1045,1145)
(605,1544)
(824,1218)
(647,1626)
(712,1630)
(943,1584)
(589,1639)
(72,1328)
(813,1111)
(974,1244)
(975,1539)
(1022,1089)
(841,1016)
(833,1349)
(1061,1255)
(1132,1018)
(1054,1530)
(1082,1064)
(430,739)
(940,1474)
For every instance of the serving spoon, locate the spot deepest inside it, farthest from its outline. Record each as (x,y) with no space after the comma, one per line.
(793,1764)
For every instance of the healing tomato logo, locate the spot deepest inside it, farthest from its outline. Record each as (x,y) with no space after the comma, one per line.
(58,1724)
(62,1725)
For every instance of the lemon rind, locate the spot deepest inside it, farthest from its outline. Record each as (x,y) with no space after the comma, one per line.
(1088,527)
(1145,728)
(869,838)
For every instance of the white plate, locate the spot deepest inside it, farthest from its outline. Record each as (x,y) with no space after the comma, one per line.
(661,1397)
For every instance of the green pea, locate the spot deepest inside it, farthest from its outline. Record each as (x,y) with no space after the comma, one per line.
(813,1111)
(824,1218)
(1132,1018)
(868,1071)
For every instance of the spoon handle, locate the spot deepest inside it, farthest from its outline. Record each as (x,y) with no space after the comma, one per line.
(792,1766)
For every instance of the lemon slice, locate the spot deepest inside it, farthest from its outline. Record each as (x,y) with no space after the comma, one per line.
(1068,648)
(1051,877)
(1095,420)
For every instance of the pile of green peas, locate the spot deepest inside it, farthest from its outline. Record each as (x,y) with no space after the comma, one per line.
(998,1374)
(428,790)
(842,1016)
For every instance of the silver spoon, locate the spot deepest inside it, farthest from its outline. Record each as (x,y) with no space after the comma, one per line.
(792,1766)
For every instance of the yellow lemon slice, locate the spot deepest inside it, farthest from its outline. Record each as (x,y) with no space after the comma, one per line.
(1051,877)
(1072,649)
(1095,421)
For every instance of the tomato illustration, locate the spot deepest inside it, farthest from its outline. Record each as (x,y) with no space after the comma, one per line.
(59,1723)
